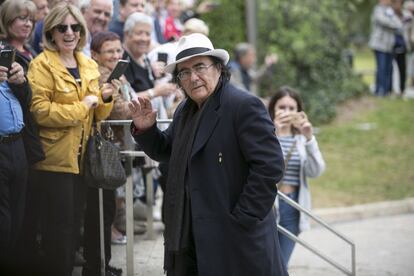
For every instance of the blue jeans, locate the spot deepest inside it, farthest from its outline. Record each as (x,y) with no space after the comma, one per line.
(289,219)
(383,80)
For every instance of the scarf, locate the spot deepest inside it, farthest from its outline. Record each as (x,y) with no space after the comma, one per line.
(177,196)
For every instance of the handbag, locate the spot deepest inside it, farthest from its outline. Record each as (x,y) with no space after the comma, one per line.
(102,163)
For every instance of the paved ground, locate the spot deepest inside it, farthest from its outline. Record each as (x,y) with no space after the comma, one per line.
(384,246)
(148,255)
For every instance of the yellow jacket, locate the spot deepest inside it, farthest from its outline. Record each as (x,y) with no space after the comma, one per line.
(64,121)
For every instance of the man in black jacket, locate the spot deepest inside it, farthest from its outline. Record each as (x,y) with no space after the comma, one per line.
(224,163)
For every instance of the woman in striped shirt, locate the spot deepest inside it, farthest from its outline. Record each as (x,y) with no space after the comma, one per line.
(302,159)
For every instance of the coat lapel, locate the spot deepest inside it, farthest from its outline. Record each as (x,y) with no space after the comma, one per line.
(208,122)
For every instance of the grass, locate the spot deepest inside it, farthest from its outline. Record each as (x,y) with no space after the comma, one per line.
(367,165)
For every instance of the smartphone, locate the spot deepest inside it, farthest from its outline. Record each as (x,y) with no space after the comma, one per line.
(118,70)
(7,57)
(162,57)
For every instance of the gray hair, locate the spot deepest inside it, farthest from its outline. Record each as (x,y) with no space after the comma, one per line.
(10,10)
(241,50)
(137,18)
(86,4)
(195,25)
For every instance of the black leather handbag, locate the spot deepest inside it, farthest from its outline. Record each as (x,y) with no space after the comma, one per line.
(102,163)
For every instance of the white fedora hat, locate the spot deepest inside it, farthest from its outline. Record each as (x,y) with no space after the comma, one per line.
(194,45)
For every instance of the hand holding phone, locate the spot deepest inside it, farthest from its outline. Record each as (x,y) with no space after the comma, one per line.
(118,70)
(281,119)
(16,74)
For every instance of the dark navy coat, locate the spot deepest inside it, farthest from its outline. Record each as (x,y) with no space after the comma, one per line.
(235,164)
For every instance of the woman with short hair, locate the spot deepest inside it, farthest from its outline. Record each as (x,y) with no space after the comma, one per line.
(16,27)
(106,50)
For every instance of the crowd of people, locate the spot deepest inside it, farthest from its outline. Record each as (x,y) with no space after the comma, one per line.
(219,161)
(392,40)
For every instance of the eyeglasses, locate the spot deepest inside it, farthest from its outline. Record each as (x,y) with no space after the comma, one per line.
(198,70)
(74,27)
(113,52)
(26,18)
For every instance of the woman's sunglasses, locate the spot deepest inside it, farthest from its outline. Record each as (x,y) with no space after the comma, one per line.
(63,28)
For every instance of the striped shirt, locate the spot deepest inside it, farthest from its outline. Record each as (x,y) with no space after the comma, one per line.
(292,169)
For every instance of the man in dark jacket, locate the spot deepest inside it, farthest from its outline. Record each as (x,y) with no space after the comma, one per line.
(225,161)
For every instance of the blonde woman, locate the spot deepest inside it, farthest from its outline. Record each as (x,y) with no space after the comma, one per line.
(67,98)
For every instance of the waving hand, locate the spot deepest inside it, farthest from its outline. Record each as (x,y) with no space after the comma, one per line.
(142,113)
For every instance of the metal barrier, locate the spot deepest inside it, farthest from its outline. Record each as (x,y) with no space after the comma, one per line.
(313,249)
(129,153)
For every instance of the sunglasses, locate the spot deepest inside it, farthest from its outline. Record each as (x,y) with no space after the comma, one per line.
(63,28)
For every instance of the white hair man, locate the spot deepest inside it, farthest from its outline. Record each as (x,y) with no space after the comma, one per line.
(97,15)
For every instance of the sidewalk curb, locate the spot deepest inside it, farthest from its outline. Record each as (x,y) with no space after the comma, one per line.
(364,211)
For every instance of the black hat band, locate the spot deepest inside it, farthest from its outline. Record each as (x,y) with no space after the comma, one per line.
(191,52)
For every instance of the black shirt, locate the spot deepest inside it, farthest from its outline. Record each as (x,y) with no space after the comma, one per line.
(140,78)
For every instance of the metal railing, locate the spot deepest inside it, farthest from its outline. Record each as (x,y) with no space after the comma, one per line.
(317,252)
(130,153)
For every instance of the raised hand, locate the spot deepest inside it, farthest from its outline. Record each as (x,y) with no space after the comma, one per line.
(282,119)
(142,113)
(158,68)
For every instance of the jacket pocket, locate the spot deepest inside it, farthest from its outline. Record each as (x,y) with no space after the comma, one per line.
(65,92)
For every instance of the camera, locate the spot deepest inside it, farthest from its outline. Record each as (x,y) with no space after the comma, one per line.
(297,118)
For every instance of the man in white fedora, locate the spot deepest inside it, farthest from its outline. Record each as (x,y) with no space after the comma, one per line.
(224,163)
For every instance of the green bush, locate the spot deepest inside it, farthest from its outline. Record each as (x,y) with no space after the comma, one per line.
(227,24)
(310,38)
